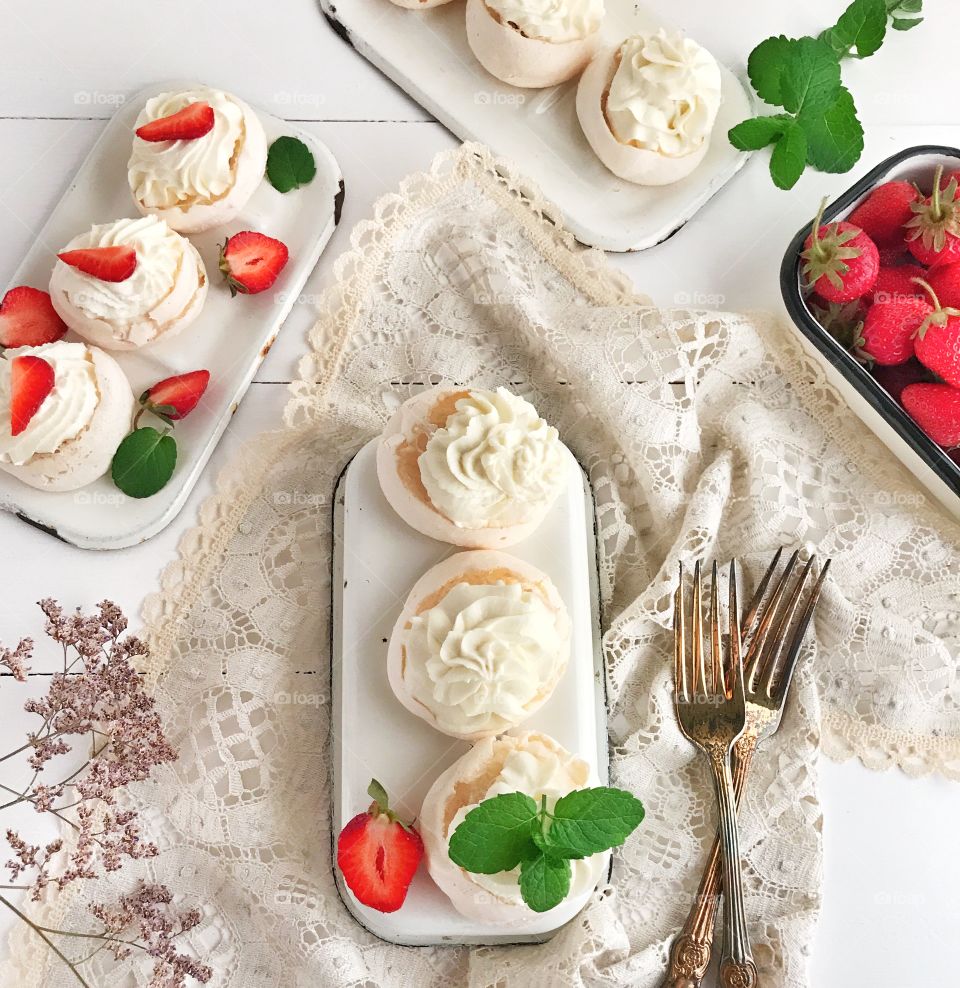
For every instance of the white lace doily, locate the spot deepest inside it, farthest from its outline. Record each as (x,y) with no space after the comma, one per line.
(704,434)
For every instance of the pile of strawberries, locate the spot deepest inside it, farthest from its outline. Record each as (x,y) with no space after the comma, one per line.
(886,283)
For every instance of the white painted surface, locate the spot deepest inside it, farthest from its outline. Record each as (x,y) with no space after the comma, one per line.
(891,867)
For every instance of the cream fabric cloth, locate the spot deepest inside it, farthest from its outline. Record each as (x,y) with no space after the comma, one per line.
(704,434)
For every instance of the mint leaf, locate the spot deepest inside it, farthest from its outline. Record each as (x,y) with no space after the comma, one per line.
(810,78)
(593,820)
(789,157)
(290,164)
(144,462)
(496,835)
(757,132)
(904,14)
(765,67)
(861,29)
(834,136)
(544,881)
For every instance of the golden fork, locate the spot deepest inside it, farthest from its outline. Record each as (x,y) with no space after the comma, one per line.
(774,633)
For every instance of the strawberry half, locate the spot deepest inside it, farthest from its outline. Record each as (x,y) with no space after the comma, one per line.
(933,234)
(936,409)
(105,263)
(937,343)
(378,855)
(251,262)
(28,318)
(840,262)
(31,380)
(176,397)
(193,121)
(884,212)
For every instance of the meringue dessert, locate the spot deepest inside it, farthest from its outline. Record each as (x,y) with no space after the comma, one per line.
(527,762)
(419,4)
(648,106)
(71,437)
(197,182)
(475,468)
(481,643)
(533,43)
(160,298)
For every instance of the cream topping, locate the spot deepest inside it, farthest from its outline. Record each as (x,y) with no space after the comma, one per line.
(550,20)
(163,174)
(538,771)
(160,256)
(482,654)
(664,95)
(65,412)
(495,463)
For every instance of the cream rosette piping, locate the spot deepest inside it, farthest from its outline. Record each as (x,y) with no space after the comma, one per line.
(527,762)
(480,645)
(648,106)
(475,468)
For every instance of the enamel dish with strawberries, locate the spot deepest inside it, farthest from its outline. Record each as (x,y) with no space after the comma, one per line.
(127,336)
(873,287)
(462,676)
(620,120)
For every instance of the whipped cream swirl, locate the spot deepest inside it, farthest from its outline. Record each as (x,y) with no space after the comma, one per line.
(160,256)
(163,174)
(65,412)
(664,95)
(483,654)
(537,771)
(550,20)
(495,463)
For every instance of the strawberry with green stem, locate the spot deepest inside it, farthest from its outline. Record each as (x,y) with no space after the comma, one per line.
(933,233)
(839,261)
(890,327)
(884,212)
(937,340)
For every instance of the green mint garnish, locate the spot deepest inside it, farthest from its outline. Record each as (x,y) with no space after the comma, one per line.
(820,127)
(290,164)
(144,462)
(510,830)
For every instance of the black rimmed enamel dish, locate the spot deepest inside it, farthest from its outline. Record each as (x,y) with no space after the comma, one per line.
(927,461)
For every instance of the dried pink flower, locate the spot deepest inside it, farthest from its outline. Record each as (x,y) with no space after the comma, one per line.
(16,661)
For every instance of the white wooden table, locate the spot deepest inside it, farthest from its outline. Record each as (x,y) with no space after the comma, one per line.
(890,916)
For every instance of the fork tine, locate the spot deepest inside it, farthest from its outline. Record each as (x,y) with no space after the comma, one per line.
(718,684)
(756,648)
(750,617)
(680,643)
(771,660)
(793,651)
(699,668)
(734,647)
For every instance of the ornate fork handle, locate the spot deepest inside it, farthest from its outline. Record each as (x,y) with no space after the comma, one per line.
(693,946)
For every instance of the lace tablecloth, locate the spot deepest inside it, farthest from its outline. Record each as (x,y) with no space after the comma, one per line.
(704,434)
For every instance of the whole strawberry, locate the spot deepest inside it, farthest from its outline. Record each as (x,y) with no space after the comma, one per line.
(890,327)
(883,213)
(937,343)
(378,855)
(945,281)
(894,380)
(840,262)
(933,234)
(898,282)
(936,409)
(842,320)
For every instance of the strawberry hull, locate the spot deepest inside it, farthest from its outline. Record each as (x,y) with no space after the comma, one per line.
(875,393)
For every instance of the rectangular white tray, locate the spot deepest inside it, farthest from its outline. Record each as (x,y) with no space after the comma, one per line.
(425,52)
(230,338)
(377,559)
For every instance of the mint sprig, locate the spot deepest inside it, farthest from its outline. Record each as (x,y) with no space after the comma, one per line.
(802,76)
(510,831)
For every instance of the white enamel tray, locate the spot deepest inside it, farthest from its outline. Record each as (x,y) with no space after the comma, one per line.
(425,52)
(377,559)
(230,338)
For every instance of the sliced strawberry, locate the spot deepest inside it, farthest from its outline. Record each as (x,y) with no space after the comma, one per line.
(251,262)
(105,263)
(378,855)
(28,318)
(31,380)
(193,121)
(176,397)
